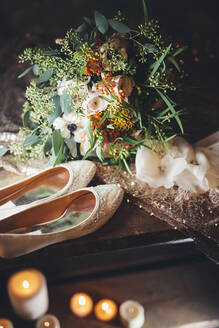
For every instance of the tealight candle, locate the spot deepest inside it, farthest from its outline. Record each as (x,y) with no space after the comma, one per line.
(5,323)
(81,304)
(48,321)
(132,314)
(106,310)
(28,294)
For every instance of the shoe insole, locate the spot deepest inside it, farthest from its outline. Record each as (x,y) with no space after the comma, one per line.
(60,214)
(38,187)
(35,194)
(67,222)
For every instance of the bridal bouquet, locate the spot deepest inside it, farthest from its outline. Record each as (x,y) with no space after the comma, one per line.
(101,93)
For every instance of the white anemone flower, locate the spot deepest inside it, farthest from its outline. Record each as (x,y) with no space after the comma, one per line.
(72,123)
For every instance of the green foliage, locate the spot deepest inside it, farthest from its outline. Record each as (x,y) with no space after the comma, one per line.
(66,102)
(118,26)
(25,72)
(101,22)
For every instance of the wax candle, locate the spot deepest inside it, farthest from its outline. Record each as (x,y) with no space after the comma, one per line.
(105,310)
(5,323)
(28,294)
(81,304)
(132,314)
(48,321)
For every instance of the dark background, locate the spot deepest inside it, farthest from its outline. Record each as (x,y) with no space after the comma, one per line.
(26,23)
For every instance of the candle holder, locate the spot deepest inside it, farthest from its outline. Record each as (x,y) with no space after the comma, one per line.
(28,294)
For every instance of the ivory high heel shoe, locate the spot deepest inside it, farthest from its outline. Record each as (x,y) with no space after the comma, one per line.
(67,217)
(45,185)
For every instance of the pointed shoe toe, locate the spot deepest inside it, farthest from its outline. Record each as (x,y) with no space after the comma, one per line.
(71,216)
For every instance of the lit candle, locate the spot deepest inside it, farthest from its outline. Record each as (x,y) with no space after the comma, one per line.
(81,304)
(105,310)
(28,294)
(48,321)
(132,314)
(5,323)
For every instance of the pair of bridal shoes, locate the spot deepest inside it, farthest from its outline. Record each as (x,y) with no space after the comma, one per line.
(46,208)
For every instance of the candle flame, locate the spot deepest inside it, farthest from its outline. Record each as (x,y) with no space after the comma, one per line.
(131,310)
(25,284)
(82,300)
(105,306)
(46,324)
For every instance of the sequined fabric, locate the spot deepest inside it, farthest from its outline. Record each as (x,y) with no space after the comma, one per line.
(196,215)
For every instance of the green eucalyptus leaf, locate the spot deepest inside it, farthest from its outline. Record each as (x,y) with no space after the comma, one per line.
(81,28)
(66,102)
(150,48)
(3,150)
(59,156)
(45,76)
(36,70)
(57,112)
(101,22)
(31,141)
(51,160)
(82,31)
(93,36)
(57,141)
(25,72)
(48,146)
(118,26)
(72,146)
(88,21)
(26,118)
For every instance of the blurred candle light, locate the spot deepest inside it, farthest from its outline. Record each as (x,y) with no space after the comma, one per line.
(132,314)
(106,310)
(81,304)
(5,323)
(28,294)
(48,321)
